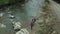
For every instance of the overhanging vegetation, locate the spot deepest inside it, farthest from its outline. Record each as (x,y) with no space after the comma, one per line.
(9,2)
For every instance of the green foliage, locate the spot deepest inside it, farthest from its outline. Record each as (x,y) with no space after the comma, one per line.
(13,1)
(2,2)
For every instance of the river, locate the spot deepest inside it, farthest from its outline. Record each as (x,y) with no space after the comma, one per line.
(22,13)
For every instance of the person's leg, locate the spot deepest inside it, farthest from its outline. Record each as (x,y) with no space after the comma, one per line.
(31,27)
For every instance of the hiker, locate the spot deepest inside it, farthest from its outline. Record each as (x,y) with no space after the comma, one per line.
(33,20)
(32,23)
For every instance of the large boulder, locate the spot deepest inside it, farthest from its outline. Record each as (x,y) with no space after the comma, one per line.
(16,25)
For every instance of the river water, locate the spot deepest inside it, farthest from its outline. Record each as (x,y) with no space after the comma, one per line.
(22,13)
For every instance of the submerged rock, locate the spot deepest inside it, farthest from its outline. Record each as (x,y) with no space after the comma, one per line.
(2,26)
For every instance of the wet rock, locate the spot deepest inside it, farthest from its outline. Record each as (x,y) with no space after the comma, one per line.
(1,14)
(11,16)
(22,31)
(16,25)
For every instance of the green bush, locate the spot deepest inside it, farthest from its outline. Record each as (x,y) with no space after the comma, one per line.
(3,2)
